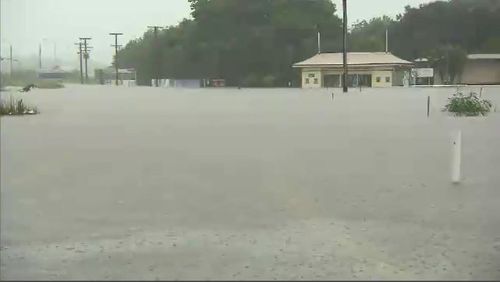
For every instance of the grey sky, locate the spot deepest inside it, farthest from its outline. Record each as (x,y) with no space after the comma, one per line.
(25,23)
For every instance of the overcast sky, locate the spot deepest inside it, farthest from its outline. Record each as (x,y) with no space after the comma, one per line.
(25,23)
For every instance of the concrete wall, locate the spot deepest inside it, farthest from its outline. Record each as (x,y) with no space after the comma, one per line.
(476,72)
(399,76)
(312,78)
(481,72)
(381,78)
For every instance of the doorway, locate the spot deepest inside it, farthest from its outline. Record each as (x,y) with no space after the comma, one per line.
(331,80)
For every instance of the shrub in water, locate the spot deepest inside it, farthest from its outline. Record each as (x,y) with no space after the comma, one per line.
(16,107)
(467,105)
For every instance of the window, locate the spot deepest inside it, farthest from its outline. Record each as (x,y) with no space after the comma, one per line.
(387,79)
(311,75)
(378,78)
(315,81)
(307,80)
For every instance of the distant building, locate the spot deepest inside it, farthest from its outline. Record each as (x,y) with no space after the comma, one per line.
(482,69)
(189,83)
(55,73)
(378,69)
(126,77)
(422,73)
(178,83)
(479,69)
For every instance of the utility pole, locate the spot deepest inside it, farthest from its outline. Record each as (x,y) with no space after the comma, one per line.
(115,34)
(11,59)
(344,39)
(55,53)
(158,55)
(86,56)
(81,61)
(11,62)
(40,55)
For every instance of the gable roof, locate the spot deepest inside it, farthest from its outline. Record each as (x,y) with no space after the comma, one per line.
(353,58)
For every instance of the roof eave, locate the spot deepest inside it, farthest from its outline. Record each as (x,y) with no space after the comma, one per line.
(350,65)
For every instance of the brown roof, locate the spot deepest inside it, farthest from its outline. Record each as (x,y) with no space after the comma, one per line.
(353,58)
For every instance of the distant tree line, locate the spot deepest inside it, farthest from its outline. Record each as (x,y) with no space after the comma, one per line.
(255,42)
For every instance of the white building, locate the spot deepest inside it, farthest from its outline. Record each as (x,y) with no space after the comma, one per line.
(378,69)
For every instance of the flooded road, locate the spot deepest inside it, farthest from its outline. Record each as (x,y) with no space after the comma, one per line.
(146,183)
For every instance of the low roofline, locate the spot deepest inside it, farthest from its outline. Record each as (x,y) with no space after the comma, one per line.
(483,56)
(353,59)
(298,65)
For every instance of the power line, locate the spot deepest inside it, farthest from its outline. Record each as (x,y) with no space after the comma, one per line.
(158,55)
(86,55)
(11,60)
(81,58)
(115,34)
(40,55)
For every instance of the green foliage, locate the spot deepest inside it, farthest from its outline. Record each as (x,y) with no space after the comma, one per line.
(492,45)
(241,41)
(246,40)
(268,80)
(465,23)
(470,105)
(369,36)
(16,107)
(449,61)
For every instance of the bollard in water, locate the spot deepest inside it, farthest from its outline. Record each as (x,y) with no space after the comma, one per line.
(456,158)
(428,105)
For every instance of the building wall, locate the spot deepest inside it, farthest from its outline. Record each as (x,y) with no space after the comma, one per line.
(481,72)
(381,78)
(400,77)
(312,78)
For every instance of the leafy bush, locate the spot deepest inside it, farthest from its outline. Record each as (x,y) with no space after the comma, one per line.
(16,107)
(268,80)
(471,105)
(251,80)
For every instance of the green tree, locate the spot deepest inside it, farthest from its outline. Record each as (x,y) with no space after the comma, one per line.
(369,36)
(250,41)
(449,61)
(259,39)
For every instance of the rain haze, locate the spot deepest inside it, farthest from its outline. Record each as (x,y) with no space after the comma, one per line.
(26,23)
(249,140)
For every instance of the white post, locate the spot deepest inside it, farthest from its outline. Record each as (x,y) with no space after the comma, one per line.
(387,40)
(456,158)
(319,42)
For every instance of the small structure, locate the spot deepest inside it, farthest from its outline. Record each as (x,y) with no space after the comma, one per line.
(55,73)
(481,69)
(423,73)
(178,83)
(126,77)
(378,69)
(217,83)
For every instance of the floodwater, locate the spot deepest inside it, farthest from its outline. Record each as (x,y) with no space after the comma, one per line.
(146,183)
